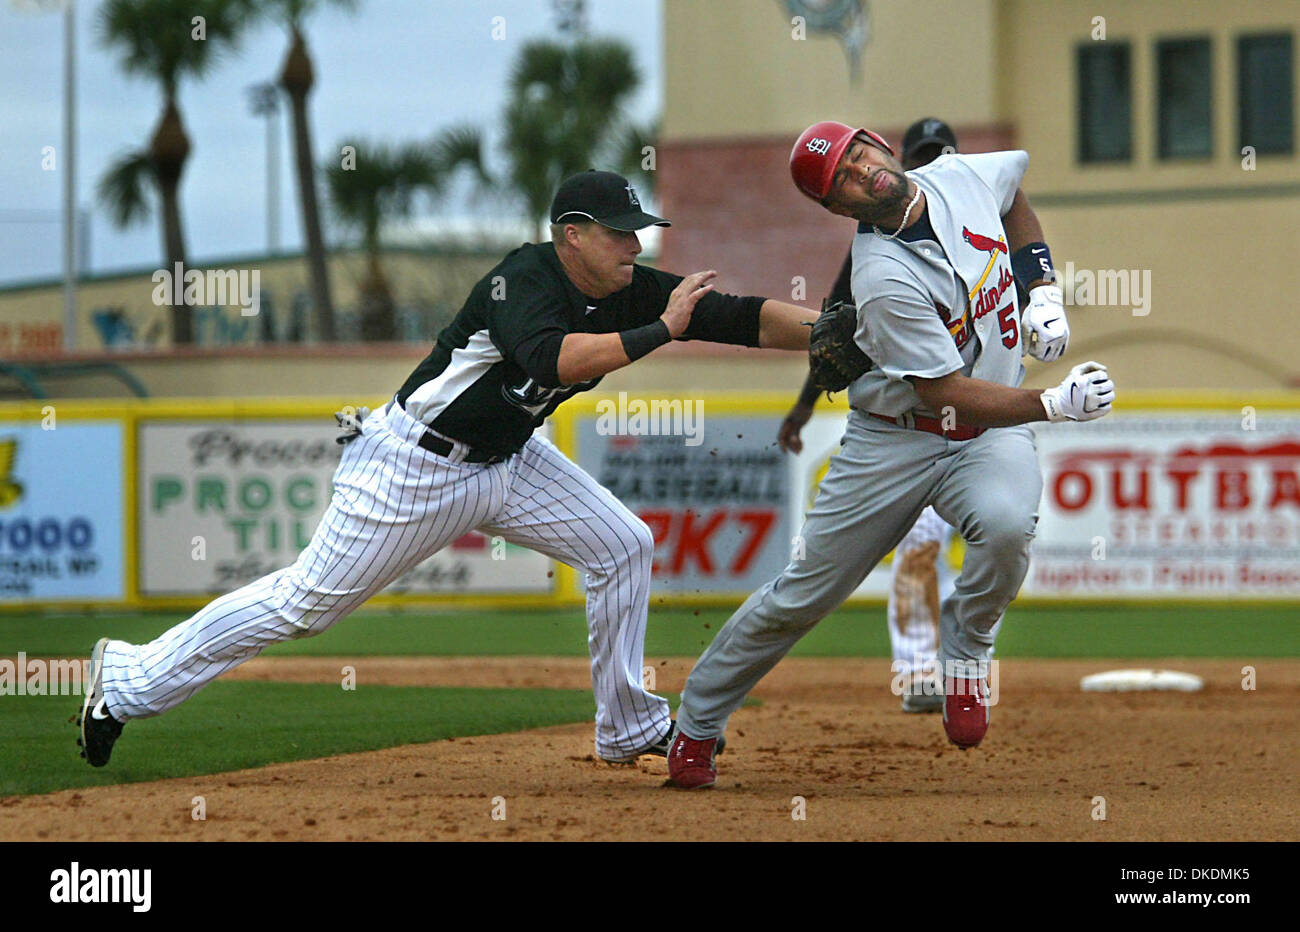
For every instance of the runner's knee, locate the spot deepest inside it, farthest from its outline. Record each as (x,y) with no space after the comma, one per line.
(1006,532)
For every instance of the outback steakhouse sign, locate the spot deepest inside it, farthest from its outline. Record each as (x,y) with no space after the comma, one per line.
(1170,504)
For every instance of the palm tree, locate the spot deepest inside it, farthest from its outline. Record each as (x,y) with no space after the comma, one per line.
(380,186)
(565,114)
(631,158)
(297,77)
(158,39)
(124,188)
(461,147)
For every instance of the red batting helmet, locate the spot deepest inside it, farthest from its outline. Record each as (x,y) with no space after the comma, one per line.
(818,150)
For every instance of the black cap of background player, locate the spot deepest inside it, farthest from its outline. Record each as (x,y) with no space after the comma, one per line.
(930,131)
(605,197)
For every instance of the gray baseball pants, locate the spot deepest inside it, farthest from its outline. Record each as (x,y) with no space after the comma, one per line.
(876,487)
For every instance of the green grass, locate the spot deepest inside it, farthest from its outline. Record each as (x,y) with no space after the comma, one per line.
(233,725)
(1251,631)
(1090,631)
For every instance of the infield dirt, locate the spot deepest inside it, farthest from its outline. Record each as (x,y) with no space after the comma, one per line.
(1215,765)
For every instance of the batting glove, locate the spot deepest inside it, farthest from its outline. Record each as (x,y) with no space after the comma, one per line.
(1085,395)
(1044,326)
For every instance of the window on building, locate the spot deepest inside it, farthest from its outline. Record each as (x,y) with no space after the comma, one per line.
(1265,115)
(1183,85)
(1105,102)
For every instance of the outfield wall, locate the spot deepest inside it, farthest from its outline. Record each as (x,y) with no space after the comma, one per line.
(142,503)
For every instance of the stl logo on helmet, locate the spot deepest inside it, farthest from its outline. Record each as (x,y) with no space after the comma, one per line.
(819,146)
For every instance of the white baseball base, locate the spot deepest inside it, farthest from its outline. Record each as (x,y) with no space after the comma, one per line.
(1118,681)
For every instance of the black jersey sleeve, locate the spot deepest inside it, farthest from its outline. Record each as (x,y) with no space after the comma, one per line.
(529,322)
(717,318)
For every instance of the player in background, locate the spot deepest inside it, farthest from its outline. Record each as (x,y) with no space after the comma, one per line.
(455,451)
(920,577)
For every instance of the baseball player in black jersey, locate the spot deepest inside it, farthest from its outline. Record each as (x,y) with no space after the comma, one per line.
(455,450)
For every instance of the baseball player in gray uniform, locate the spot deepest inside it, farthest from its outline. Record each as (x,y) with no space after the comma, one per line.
(455,450)
(937,420)
(919,576)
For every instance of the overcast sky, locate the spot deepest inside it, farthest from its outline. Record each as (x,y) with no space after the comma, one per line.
(393,70)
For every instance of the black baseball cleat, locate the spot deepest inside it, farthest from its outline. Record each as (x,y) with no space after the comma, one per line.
(98,729)
(660,748)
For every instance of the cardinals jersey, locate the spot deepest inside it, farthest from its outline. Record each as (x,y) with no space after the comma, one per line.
(941,297)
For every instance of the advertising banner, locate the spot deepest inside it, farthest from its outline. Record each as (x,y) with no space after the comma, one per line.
(165,503)
(1159,504)
(714,494)
(821,440)
(222,503)
(61,511)
(1154,504)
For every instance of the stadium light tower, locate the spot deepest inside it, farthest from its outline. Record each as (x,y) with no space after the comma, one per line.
(571,17)
(264,99)
(67,158)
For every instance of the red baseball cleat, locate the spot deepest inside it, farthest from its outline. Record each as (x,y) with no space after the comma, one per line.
(690,762)
(966,710)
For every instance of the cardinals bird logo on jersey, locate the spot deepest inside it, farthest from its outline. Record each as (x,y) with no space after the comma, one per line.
(993,294)
(984,243)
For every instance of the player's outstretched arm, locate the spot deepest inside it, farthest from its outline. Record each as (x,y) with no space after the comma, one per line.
(1085,395)
(784,326)
(586,356)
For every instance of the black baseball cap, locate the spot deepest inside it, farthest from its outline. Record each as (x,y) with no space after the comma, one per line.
(927,132)
(606,197)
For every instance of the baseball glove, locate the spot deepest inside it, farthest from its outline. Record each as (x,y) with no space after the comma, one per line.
(834,357)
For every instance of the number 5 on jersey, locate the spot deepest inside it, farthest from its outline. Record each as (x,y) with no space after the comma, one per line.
(1010,329)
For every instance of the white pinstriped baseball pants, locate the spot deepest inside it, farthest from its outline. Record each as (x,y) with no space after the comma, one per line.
(394,505)
(913,624)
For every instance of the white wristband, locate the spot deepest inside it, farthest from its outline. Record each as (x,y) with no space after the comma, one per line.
(1052,406)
